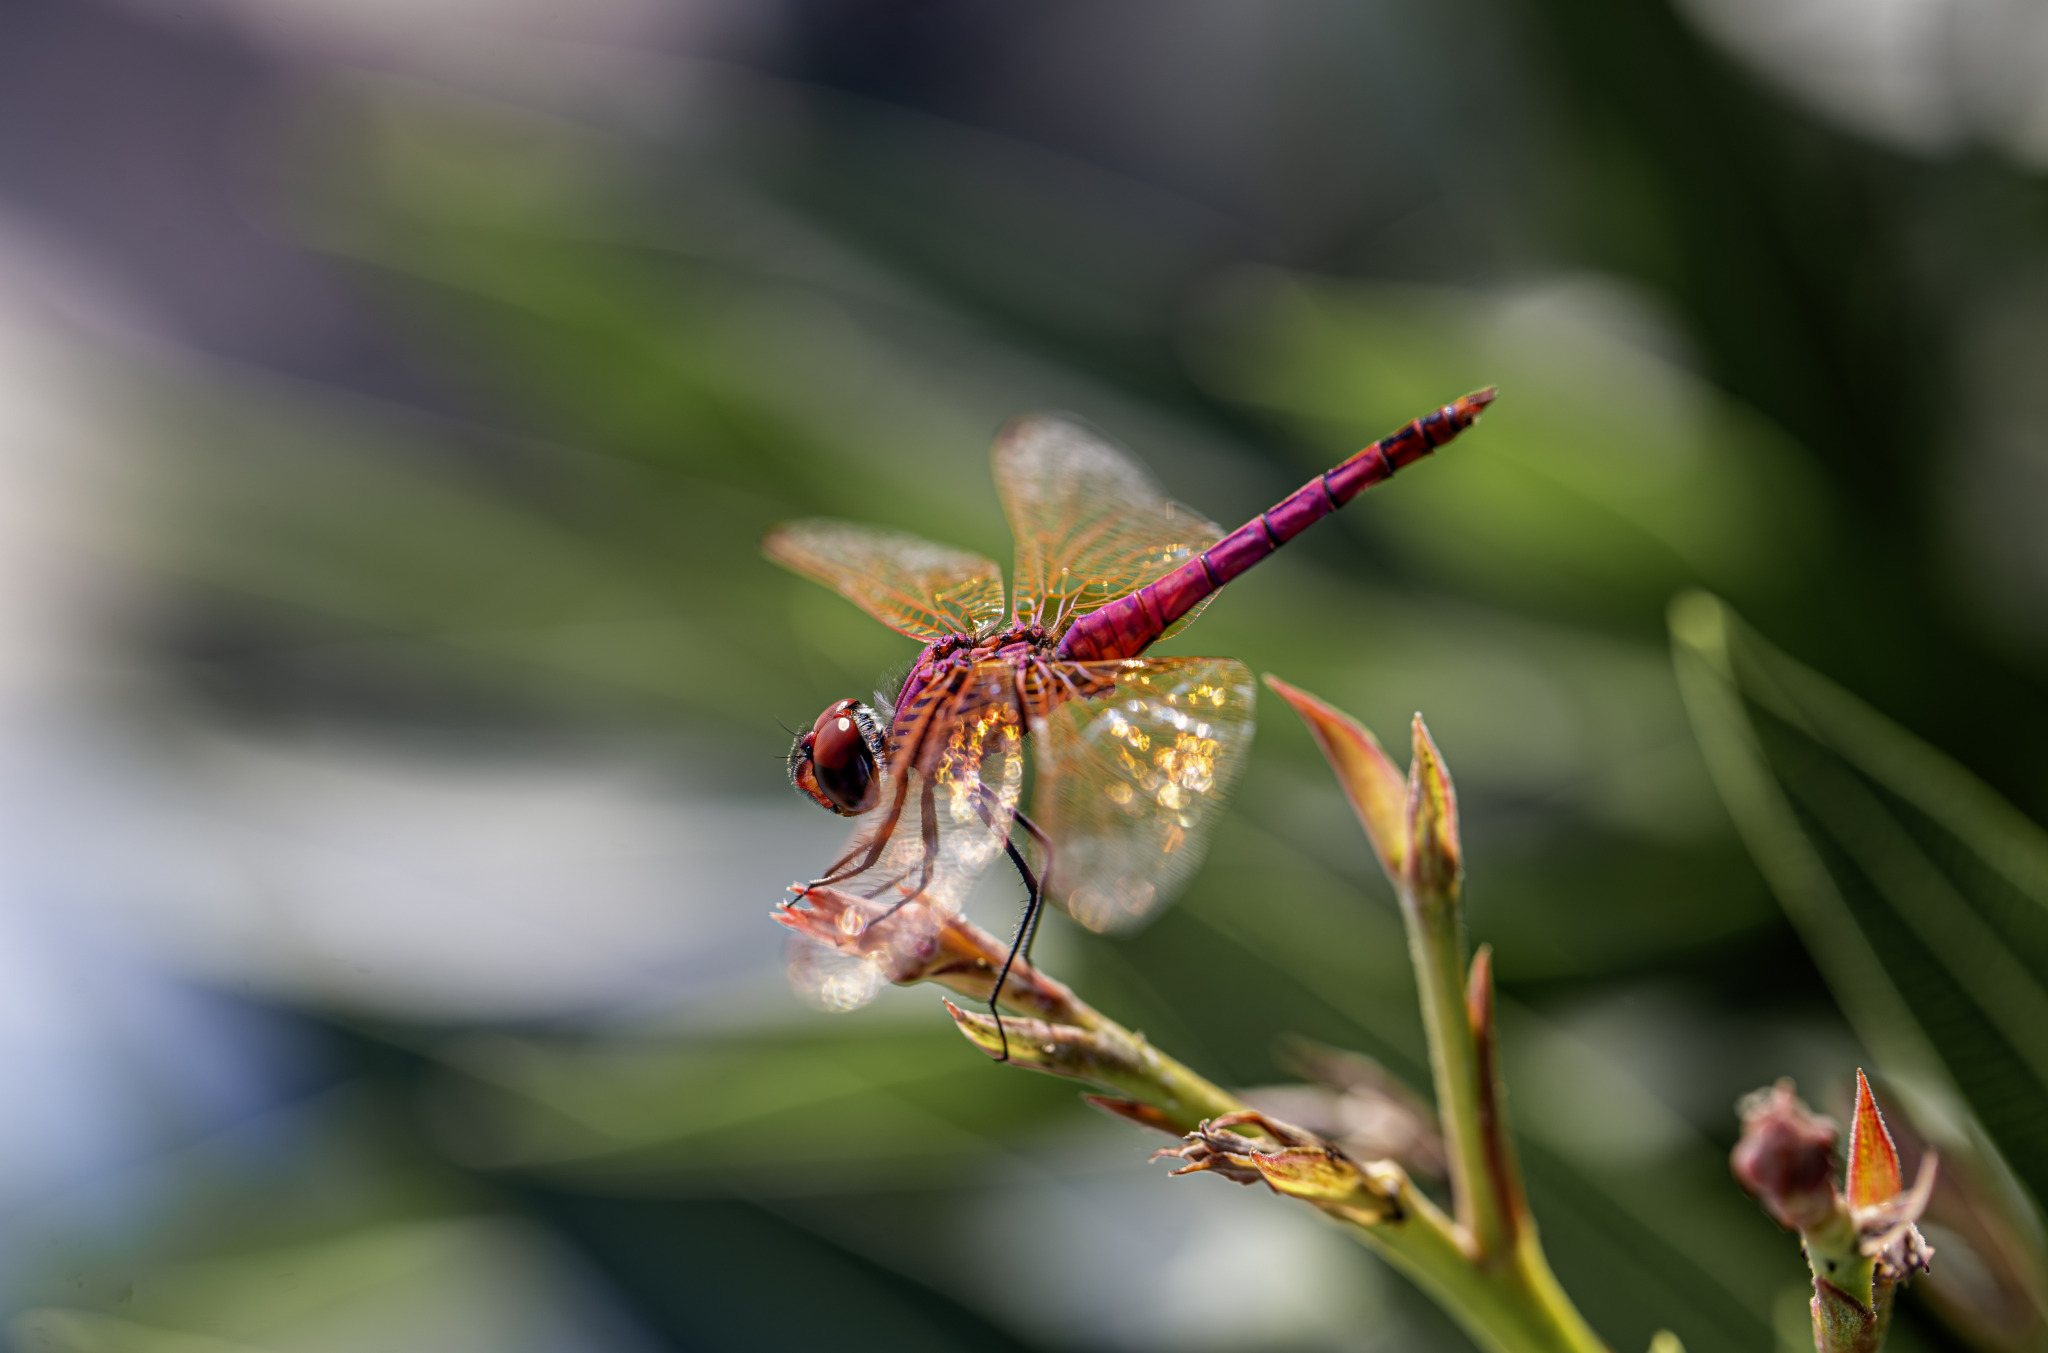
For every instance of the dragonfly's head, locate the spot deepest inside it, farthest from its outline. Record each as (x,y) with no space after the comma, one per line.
(839,762)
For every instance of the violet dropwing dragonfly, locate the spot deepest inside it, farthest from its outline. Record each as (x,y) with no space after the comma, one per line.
(1135,756)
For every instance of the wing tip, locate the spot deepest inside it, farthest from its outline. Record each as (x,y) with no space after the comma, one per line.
(1021,431)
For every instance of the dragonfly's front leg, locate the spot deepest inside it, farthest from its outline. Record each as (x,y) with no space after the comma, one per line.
(907,757)
(928,809)
(839,872)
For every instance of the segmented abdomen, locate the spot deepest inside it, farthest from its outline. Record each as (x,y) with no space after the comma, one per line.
(1128,626)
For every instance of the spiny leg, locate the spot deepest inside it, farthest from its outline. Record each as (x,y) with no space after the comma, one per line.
(1033,897)
(1027,924)
(872,851)
(929,812)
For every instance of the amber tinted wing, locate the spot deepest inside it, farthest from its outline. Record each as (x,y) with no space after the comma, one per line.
(946,810)
(1133,780)
(1091,526)
(913,586)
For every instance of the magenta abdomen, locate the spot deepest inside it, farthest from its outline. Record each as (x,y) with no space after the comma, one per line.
(1128,626)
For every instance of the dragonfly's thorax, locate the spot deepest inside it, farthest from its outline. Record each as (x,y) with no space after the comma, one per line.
(1019,641)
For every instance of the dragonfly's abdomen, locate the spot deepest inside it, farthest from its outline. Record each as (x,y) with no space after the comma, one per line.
(1128,626)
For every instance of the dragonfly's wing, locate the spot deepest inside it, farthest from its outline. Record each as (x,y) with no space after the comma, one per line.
(946,810)
(913,586)
(1090,524)
(1131,781)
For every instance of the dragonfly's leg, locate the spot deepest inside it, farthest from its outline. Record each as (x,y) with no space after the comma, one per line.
(839,872)
(929,811)
(1027,924)
(884,885)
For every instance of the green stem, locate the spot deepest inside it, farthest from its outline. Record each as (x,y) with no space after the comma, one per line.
(1511,1307)
(1502,1293)
(1106,1054)
(1436,943)
(1852,1302)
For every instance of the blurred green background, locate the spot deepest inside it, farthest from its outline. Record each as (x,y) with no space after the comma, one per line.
(392,397)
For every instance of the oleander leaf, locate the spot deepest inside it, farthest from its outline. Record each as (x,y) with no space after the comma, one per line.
(1920,893)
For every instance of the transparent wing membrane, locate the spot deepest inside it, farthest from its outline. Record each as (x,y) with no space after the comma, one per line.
(1131,781)
(1091,526)
(910,584)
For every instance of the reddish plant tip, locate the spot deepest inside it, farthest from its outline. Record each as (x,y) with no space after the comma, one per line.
(1873,1160)
(1377,790)
(1435,859)
(1786,1158)
(1132,1111)
(1479,994)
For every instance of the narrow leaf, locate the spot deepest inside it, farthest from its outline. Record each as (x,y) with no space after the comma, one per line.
(1921,895)
(1873,1160)
(1134,1111)
(1377,789)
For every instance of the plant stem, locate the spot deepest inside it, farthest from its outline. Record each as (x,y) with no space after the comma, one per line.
(1511,1307)
(1108,1055)
(1512,1304)
(1436,943)
(1503,1291)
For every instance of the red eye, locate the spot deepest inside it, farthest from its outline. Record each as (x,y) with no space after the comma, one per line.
(838,759)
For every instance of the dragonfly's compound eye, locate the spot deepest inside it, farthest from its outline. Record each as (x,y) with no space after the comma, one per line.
(838,763)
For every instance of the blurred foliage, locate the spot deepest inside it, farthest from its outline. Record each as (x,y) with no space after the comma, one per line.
(647,323)
(1920,893)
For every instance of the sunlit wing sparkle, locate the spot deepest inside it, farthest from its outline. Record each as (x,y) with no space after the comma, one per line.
(914,586)
(1091,525)
(1131,782)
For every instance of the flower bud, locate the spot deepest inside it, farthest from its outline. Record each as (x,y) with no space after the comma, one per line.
(1435,863)
(1786,1158)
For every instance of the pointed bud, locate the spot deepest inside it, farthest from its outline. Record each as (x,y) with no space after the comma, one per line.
(1377,790)
(1435,861)
(1885,1210)
(1059,1049)
(1786,1158)
(1108,1056)
(1858,1252)
(1873,1160)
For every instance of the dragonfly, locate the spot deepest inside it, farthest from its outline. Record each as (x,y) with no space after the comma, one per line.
(1135,756)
